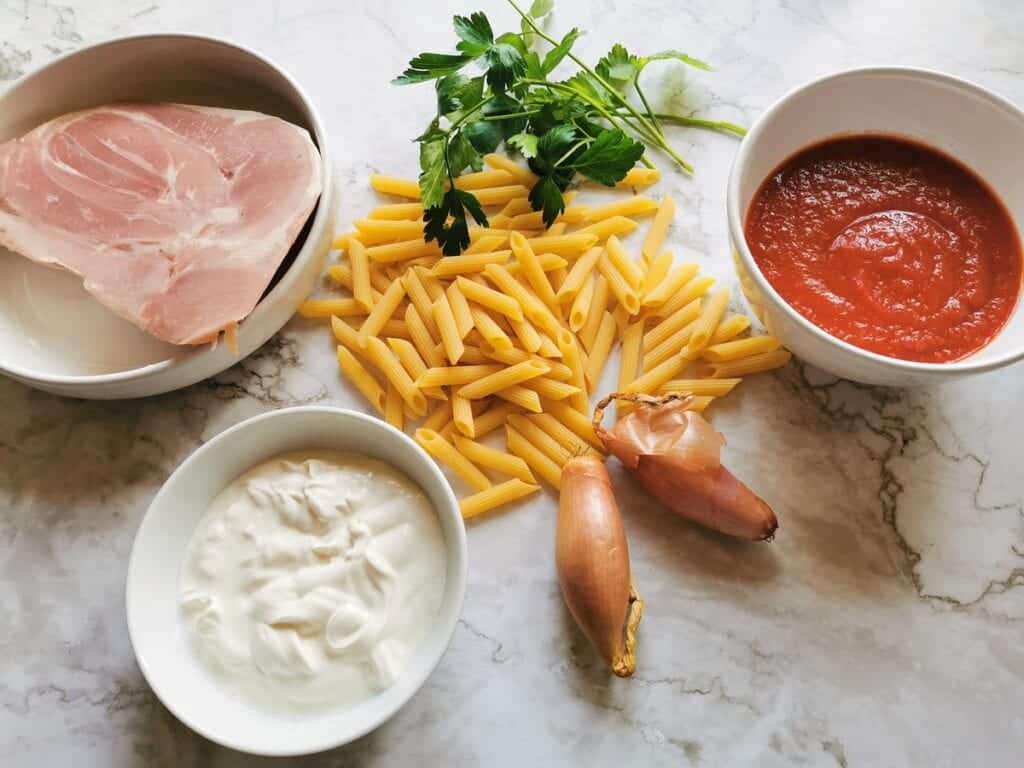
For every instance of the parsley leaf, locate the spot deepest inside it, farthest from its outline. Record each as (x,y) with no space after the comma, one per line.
(554,57)
(609,157)
(453,237)
(484,135)
(505,63)
(538,10)
(546,196)
(526,143)
(678,56)
(430,66)
(474,32)
(462,154)
(433,170)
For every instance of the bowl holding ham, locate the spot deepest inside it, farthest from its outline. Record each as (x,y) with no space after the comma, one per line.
(164,207)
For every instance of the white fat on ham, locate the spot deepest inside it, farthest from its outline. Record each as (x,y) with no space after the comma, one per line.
(176,217)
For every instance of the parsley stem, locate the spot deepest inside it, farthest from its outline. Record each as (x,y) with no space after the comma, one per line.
(699,122)
(647,106)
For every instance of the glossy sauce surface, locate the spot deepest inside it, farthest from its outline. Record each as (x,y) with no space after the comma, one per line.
(888,245)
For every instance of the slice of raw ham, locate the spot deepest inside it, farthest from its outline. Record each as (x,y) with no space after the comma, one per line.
(175,216)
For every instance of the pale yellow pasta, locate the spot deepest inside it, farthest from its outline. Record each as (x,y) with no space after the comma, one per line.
(395,327)
(448,330)
(545,386)
(318,308)
(360,265)
(571,357)
(377,351)
(639,177)
(522,174)
(710,316)
(361,378)
(341,274)
(528,336)
(376,231)
(622,318)
(531,220)
(578,274)
(346,334)
(734,350)
(533,456)
(481,179)
(468,263)
(531,306)
(455,376)
(573,214)
(729,329)
(493,334)
(493,417)
(559,371)
(638,205)
(766,361)
(564,245)
(656,273)
(390,185)
(521,396)
(420,336)
(381,313)
(628,268)
(620,288)
(462,415)
(673,345)
(414,364)
(498,496)
(397,211)
(557,276)
(548,348)
(548,263)
(600,350)
(653,379)
(629,360)
(486,243)
(433,286)
(444,452)
(692,290)
(699,404)
(500,195)
(582,305)
(657,294)
(437,418)
(659,228)
(532,270)
(477,234)
(565,437)
(421,301)
(602,295)
(577,421)
(672,324)
(379,281)
(341,242)
(492,458)
(616,225)
(393,410)
(474,355)
(545,442)
(460,310)
(490,298)
(700,387)
(507,377)
(517,206)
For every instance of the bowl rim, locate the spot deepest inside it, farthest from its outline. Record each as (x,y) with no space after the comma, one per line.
(736,217)
(456,552)
(320,218)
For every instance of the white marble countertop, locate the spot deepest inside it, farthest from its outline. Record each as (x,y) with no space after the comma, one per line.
(882,627)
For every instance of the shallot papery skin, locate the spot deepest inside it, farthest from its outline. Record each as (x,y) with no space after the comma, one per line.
(676,455)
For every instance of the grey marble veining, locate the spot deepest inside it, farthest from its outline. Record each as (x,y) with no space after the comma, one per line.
(882,627)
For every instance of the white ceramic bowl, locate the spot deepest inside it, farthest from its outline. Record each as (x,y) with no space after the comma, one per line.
(980,129)
(53,335)
(159,636)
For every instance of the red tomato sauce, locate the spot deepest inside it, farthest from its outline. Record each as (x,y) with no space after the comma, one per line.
(889,245)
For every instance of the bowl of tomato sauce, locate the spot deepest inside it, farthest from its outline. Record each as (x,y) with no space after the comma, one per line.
(875,217)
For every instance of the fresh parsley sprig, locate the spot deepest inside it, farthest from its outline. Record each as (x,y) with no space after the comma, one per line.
(584,125)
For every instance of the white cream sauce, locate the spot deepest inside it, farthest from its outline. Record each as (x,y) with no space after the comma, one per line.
(312,578)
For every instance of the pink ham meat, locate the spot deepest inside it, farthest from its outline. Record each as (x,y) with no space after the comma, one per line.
(175,217)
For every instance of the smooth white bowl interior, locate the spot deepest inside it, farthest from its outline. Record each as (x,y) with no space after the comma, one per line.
(160,637)
(982,131)
(49,325)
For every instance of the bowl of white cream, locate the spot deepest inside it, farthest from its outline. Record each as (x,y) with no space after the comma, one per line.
(296,580)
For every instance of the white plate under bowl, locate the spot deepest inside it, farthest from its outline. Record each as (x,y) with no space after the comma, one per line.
(159,635)
(53,335)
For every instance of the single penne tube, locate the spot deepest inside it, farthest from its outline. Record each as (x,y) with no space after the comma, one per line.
(672,324)
(397,211)
(497,496)
(532,270)
(467,263)
(390,185)
(629,360)
(376,231)
(601,349)
(638,205)
(522,174)
(531,220)
(565,437)
(493,334)
(495,416)
(766,361)
(499,195)
(651,381)
(521,396)
(534,457)
(578,274)
(421,338)
(490,298)
(455,376)
(346,334)
(493,237)
(659,229)
(578,422)
(420,299)
(528,336)
(517,206)
(548,348)
(673,345)
(729,329)
(545,442)
(700,403)
(545,386)
(389,253)
(445,453)
(395,327)
(656,294)
(559,371)
(573,214)
(437,418)
(571,357)
(394,413)
(602,230)
(656,273)
(486,243)
(628,268)
(341,274)
(462,415)
(619,286)
(711,315)
(341,242)
(700,387)
(492,458)
(733,350)
(639,177)
(382,312)
(362,379)
(379,354)
(557,277)
(563,245)
(692,290)
(460,309)
(414,364)
(548,263)
(482,179)
(492,384)
(448,330)
(360,263)
(582,305)
(602,295)
(319,308)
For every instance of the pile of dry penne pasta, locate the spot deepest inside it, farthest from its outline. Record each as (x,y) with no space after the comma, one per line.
(514,333)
